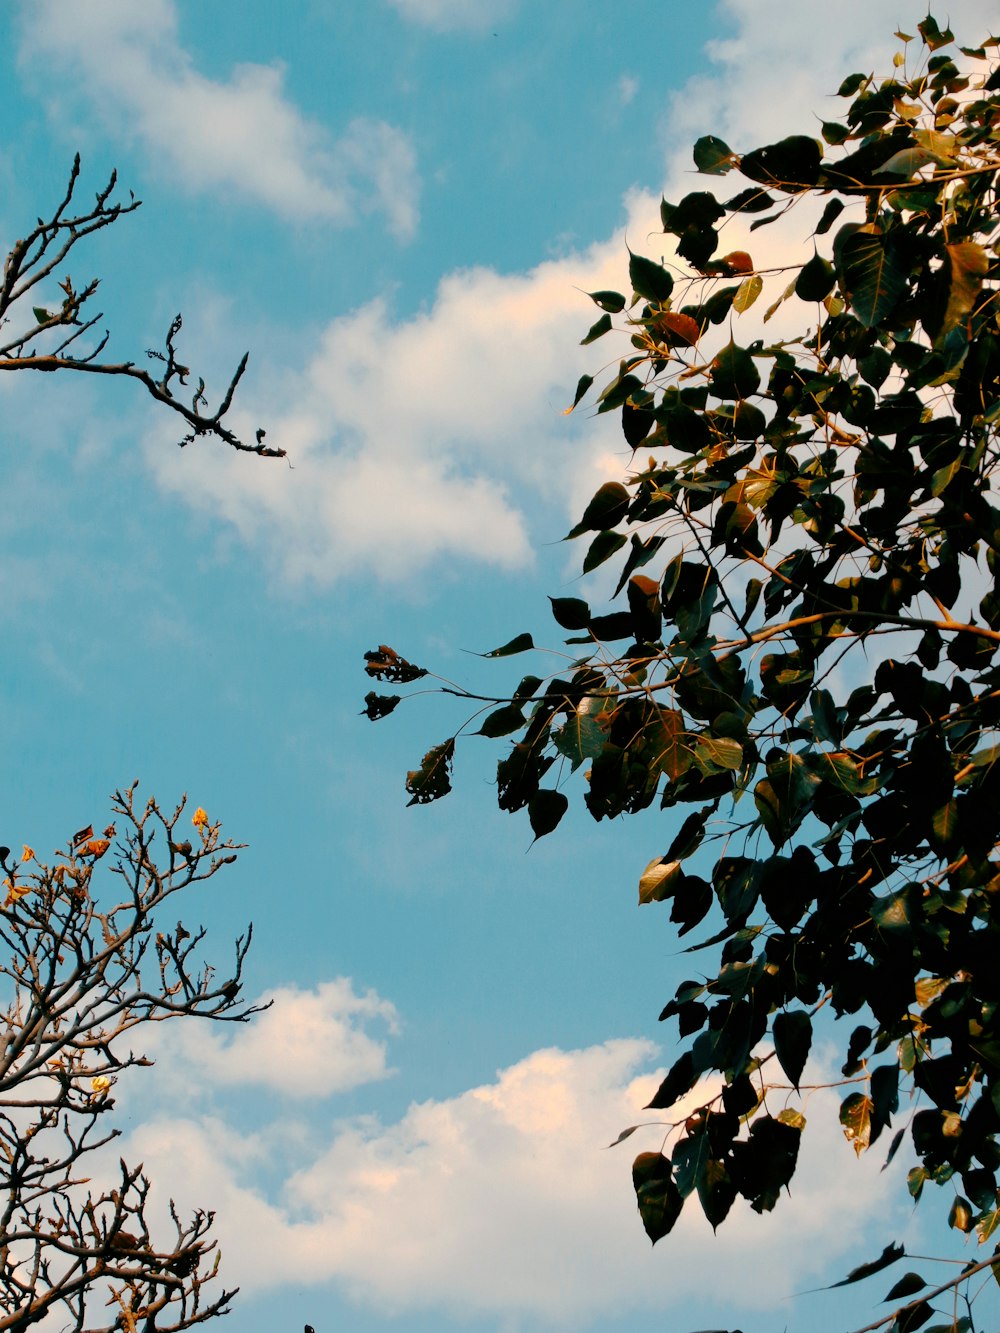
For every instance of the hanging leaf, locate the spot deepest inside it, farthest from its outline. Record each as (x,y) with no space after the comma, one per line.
(659,1199)
(871,273)
(712,157)
(386,664)
(582,385)
(613,302)
(432,779)
(749,289)
(545,809)
(597,330)
(649,280)
(791,165)
(792,1032)
(659,880)
(733,373)
(856,1119)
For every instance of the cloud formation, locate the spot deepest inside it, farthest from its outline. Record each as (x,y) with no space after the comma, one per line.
(308,1044)
(244,137)
(502,1200)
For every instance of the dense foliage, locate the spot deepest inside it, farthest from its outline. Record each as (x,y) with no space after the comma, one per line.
(803,653)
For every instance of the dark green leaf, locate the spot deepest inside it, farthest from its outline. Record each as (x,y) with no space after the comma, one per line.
(791,165)
(649,280)
(521,643)
(851,84)
(602,548)
(607,509)
(597,330)
(659,1199)
(502,722)
(571,613)
(871,272)
(815,280)
(582,385)
(792,1032)
(545,809)
(613,302)
(713,157)
(906,1286)
(733,373)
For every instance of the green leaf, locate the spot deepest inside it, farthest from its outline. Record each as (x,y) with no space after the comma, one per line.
(602,548)
(649,280)
(613,302)
(871,273)
(42,316)
(933,36)
(432,779)
(816,279)
(733,373)
(659,1199)
(607,509)
(502,722)
(545,809)
(792,1032)
(712,157)
(719,752)
(906,1286)
(749,289)
(583,736)
(582,385)
(521,643)
(851,84)
(791,165)
(597,330)
(571,613)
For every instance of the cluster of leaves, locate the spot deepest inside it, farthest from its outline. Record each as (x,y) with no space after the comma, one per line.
(813,668)
(82,967)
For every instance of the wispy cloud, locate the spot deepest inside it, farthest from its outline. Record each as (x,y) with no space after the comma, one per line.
(123,64)
(454,15)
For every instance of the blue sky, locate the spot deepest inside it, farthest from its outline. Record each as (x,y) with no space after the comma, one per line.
(395,207)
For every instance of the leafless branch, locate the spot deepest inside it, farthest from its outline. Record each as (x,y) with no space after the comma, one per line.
(38,257)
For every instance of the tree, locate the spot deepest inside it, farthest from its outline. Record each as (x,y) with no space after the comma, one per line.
(85,964)
(804,650)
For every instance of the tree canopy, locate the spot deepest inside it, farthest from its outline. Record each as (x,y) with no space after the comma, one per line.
(801,656)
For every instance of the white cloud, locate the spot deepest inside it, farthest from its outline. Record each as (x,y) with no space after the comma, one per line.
(308,1044)
(452,15)
(503,1201)
(243,136)
(433,438)
(412,440)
